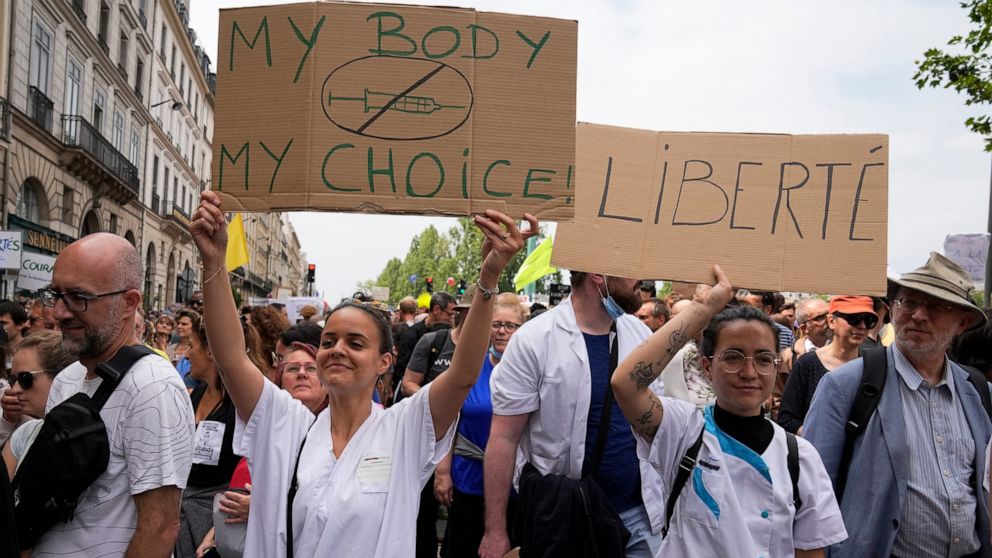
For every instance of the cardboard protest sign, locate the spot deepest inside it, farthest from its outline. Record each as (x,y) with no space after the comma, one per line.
(777,212)
(970,252)
(394,109)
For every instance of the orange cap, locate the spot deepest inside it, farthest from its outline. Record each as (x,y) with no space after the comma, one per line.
(852,305)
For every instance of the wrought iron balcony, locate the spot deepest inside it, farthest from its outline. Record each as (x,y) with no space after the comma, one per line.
(80,9)
(40,108)
(176,222)
(91,156)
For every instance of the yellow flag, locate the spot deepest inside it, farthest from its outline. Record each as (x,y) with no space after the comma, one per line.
(237,244)
(537,265)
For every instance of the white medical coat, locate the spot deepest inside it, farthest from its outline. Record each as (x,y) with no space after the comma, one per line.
(737,503)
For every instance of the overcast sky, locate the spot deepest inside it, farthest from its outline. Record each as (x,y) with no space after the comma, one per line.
(731,66)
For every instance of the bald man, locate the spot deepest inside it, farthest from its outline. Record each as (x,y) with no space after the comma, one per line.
(132,509)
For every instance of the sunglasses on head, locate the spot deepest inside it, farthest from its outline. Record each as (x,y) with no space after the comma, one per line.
(26,379)
(869,320)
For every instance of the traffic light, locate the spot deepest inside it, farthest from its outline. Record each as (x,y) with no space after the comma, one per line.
(461,287)
(430,284)
(311,272)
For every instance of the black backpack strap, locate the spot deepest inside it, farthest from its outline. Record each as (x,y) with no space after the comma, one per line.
(978,380)
(607,410)
(793,460)
(437,345)
(874,370)
(686,465)
(294,485)
(113,371)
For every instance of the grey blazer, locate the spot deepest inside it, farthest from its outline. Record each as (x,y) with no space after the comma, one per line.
(876,484)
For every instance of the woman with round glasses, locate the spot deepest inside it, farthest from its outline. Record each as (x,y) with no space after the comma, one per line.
(850,318)
(736,496)
(348,482)
(458,478)
(38,358)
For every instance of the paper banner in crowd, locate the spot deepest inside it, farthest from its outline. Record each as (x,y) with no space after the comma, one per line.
(237,244)
(778,212)
(537,265)
(385,108)
(36,271)
(293,304)
(970,252)
(11,243)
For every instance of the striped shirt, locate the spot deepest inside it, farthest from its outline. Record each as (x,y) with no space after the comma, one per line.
(938,515)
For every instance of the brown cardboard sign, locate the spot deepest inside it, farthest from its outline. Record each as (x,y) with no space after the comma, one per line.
(777,212)
(394,109)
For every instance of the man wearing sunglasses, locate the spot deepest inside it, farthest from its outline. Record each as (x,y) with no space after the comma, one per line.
(914,476)
(96,288)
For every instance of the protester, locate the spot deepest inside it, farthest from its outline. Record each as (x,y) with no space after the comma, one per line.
(647,290)
(133,507)
(186,324)
(440,316)
(874,337)
(548,397)
(974,348)
(738,498)
(14,320)
(269,321)
(37,360)
(850,319)
(36,317)
(213,455)
(653,313)
(913,485)
(684,377)
(458,480)
(164,325)
(771,303)
(811,315)
(345,499)
(308,313)
(307,333)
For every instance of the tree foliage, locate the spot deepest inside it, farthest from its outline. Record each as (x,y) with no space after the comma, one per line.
(968,70)
(456,253)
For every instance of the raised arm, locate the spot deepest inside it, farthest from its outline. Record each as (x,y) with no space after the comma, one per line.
(448,392)
(634,375)
(242,380)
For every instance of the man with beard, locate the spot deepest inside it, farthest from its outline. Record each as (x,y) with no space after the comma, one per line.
(133,507)
(914,486)
(548,394)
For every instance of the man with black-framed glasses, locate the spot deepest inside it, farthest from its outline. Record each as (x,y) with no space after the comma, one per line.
(96,288)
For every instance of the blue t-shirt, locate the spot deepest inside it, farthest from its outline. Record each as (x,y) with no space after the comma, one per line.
(619,474)
(473,424)
(183,368)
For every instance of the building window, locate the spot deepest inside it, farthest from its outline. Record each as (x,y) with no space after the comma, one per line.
(165,186)
(182,79)
(163,42)
(122,50)
(73,85)
(27,203)
(135,146)
(68,200)
(172,65)
(113,223)
(117,136)
(104,25)
(41,57)
(139,74)
(99,107)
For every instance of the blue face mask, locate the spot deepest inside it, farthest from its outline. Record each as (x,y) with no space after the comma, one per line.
(498,355)
(610,305)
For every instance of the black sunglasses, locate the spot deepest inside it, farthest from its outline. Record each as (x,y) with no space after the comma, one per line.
(26,379)
(857,319)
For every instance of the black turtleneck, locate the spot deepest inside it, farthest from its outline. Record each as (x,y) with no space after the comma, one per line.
(754,432)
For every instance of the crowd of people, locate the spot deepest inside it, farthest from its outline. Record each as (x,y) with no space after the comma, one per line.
(715,422)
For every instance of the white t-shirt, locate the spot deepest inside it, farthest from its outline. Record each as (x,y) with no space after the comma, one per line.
(149,421)
(737,503)
(363,504)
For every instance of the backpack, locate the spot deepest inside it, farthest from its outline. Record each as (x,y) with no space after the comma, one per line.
(874,370)
(69,453)
(688,463)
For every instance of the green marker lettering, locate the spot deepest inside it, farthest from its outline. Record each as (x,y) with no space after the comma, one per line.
(278,161)
(465,175)
(310,43)
(264,26)
(394,32)
(225,154)
(475,42)
(409,171)
(536,46)
(388,171)
(531,178)
(323,168)
(441,29)
(485,180)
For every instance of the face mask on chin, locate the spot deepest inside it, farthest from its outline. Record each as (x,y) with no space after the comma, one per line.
(610,305)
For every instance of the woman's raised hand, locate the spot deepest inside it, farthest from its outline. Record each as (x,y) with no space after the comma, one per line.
(209,230)
(720,294)
(503,240)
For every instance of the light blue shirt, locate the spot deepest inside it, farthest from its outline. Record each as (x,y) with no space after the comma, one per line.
(938,515)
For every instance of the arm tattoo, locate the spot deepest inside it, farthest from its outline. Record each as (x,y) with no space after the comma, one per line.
(677,339)
(648,422)
(642,375)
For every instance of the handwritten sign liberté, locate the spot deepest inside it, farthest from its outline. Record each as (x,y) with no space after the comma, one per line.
(778,212)
(395,109)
